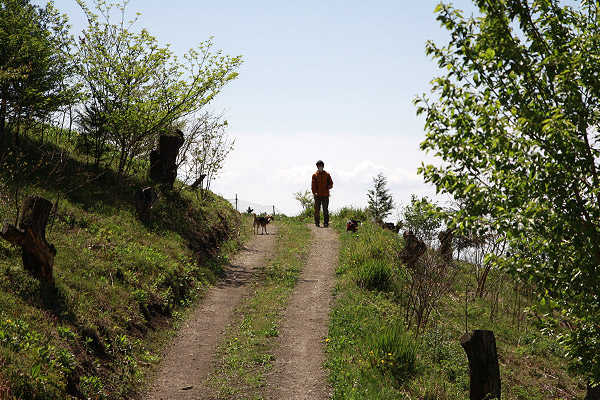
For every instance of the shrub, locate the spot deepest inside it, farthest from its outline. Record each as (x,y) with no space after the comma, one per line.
(347,213)
(307,201)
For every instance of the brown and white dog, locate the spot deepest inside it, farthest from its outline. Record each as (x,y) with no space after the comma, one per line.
(261,222)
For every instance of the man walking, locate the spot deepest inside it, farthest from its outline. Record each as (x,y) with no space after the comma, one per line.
(321,183)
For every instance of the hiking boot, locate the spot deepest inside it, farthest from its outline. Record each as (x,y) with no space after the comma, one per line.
(326,224)
(317,224)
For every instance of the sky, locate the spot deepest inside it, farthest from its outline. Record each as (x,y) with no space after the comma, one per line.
(330,80)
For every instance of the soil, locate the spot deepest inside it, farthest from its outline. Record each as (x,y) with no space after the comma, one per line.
(298,371)
(298,367)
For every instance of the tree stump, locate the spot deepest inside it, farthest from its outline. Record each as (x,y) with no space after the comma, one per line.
(198,181)
(480,347)
(593,393)
(37,254)
(413,249)
(163,166)
(145,199)
(445,249)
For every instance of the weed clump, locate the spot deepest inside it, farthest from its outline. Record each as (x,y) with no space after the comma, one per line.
(374,274)
(393,353)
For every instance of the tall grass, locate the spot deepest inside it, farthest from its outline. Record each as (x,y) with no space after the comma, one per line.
(369,352)
(374,274)
(393,352)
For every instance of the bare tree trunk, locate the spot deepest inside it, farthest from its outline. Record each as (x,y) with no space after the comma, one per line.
(481,281)
(480,347)
(37,253)
(445,249)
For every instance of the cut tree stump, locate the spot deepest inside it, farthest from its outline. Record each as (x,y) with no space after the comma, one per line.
(593,392)
(198,182)
(480,346)
(413,249)
(145,199)
(163,166)
(445,249)
(37,254)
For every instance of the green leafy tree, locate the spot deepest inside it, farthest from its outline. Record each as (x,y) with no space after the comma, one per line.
(35,65)
(515,121)
(422,218)
(140,88)
(92,137)
(307,201)
(380,203)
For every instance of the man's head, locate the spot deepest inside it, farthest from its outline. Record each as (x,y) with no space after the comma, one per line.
(320,165)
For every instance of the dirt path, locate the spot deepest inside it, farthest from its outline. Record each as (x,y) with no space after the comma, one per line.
(188,361)
(298,368)
(297,372)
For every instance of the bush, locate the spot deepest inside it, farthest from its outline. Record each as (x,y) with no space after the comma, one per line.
(347,213)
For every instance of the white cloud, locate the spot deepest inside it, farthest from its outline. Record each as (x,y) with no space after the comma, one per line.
(268,168)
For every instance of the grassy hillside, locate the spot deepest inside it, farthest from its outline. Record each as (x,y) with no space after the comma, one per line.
(120,288)
(97,330)
(376,350)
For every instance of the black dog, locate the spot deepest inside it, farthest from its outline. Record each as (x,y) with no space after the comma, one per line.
(352,225)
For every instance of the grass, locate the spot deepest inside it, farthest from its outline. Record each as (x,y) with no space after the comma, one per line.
(247,353)
(372,354)
(119,288)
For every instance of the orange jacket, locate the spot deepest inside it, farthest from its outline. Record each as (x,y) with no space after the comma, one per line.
(321,183)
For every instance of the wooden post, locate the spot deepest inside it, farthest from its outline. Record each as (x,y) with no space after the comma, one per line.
(37,253)
(480,347)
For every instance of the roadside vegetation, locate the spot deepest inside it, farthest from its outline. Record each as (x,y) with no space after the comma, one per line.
(87,124)
(383,345)
(119,285)
(80,121)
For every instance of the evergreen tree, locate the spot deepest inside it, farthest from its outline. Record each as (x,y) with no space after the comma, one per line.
(381,202)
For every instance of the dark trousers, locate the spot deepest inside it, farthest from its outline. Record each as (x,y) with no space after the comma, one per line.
(322,201)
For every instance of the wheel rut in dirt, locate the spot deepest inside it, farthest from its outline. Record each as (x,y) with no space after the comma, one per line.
(188,361)
(298,371)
